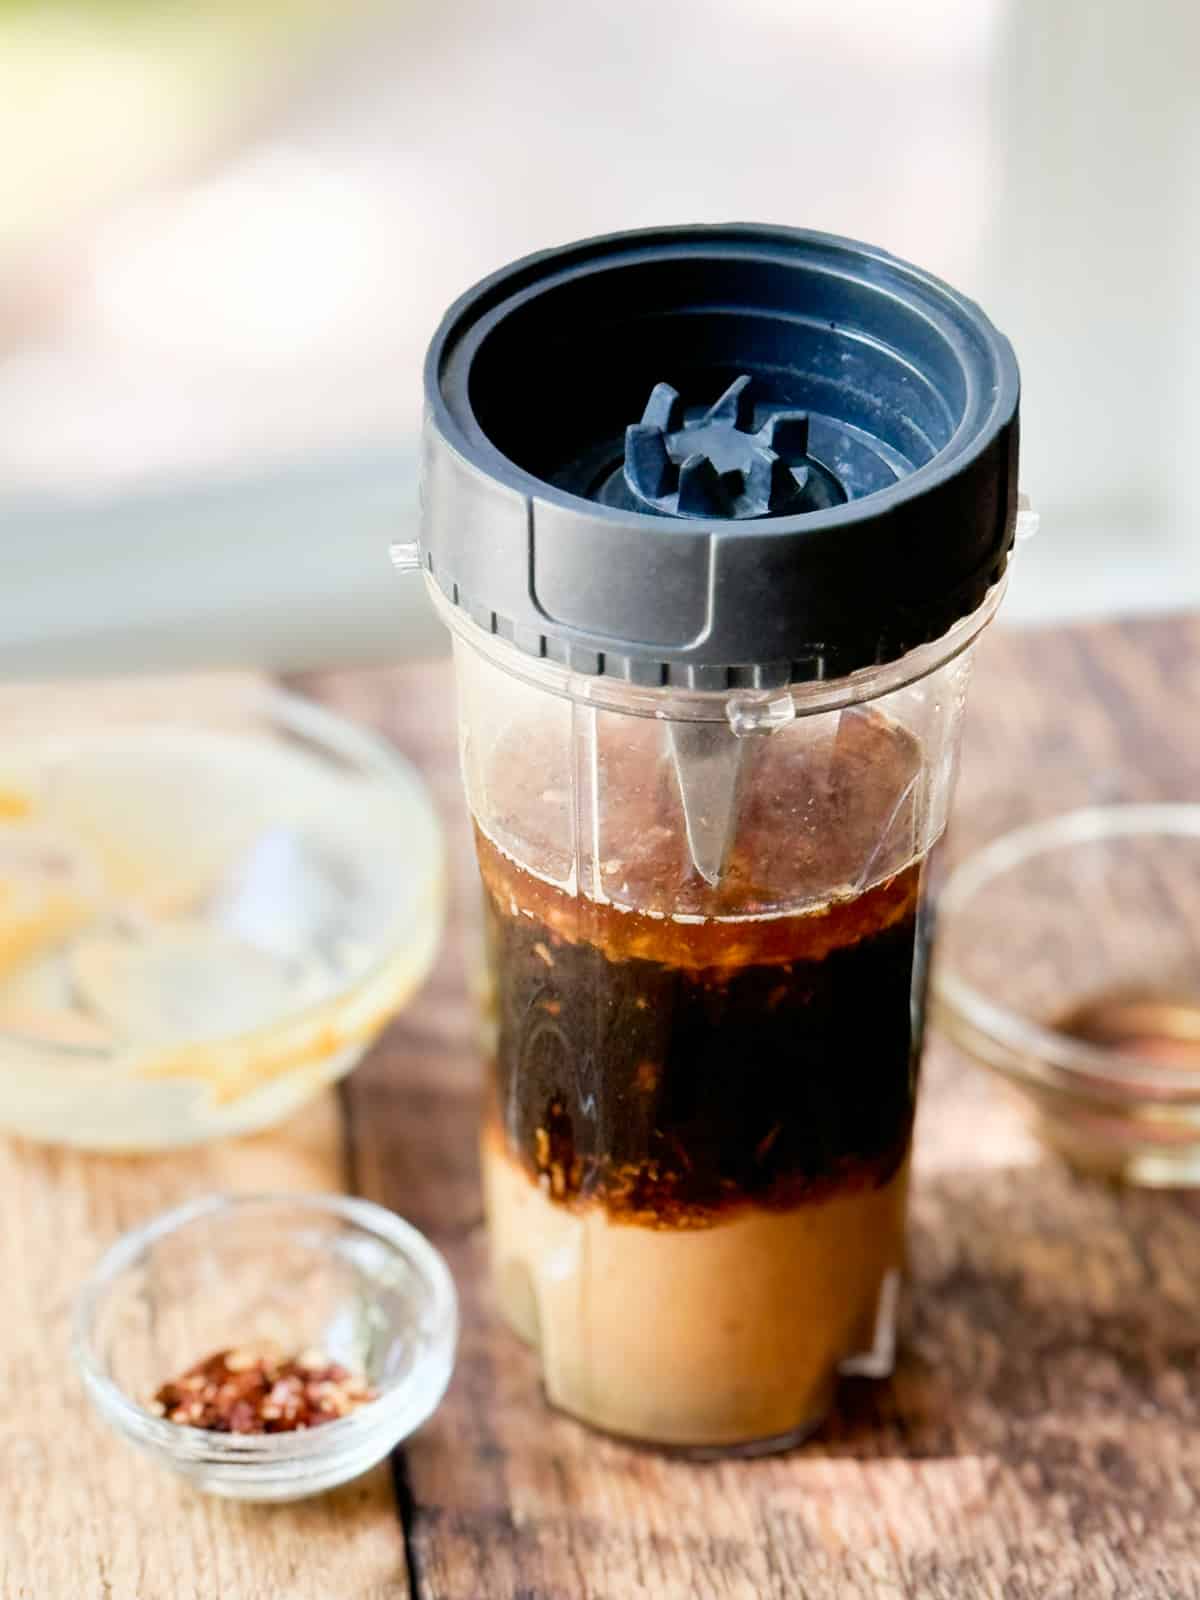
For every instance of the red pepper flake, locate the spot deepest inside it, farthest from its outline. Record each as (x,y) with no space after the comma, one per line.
(646,1077)
(248,1390)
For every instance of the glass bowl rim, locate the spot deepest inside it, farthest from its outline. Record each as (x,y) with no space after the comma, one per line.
(384,1413)
(333,736)
(1033,1052)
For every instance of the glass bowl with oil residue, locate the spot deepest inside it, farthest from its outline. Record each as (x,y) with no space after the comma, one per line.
(1068,960)
(213,896)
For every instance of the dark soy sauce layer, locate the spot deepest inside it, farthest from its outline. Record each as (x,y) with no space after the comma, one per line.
(670,1070)
(668,1093)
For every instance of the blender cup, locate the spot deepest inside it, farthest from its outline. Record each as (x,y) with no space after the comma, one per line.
(715,516)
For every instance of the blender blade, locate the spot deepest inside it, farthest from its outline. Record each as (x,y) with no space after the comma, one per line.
(708,764)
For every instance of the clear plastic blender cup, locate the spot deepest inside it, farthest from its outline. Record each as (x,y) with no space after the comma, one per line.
(712,638)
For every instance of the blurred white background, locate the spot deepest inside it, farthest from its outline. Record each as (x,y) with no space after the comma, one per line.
(230,229)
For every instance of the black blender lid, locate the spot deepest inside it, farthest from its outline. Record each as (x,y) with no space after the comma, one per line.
(718,456)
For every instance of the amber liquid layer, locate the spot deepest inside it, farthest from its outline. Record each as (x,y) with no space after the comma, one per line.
(670,1092)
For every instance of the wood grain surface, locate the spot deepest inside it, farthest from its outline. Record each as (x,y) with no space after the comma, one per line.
(82,1516)
(1039,1440)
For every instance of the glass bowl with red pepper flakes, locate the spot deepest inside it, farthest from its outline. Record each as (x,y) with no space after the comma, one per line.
(268,1347)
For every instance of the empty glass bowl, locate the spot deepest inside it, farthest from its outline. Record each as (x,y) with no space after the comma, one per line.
(1068,959)
(303,1272)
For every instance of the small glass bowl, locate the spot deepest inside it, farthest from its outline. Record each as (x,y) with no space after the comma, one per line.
(322,1272)
(1068,960)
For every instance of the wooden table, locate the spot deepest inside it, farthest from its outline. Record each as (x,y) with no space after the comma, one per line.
(1039,1440)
